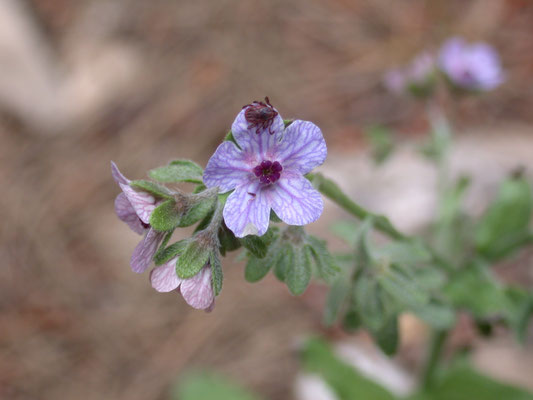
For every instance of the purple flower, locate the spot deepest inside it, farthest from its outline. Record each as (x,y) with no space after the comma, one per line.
(417,77)
(197,291)
(134,208)
(471,66)
(267,170)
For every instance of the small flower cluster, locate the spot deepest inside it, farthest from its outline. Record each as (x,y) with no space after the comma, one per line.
(258,171)
(135,208)
(467,67)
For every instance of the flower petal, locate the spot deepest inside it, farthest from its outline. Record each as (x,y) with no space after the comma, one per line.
(197,291)
(126,213)
(302,148)
(294,199)
(247,210)
(142,202)
(145,250)
(228,167)
(164,277)
(262,143)
(117,175)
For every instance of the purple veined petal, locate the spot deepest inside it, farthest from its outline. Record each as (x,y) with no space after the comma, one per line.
(228,167)
(164,278)
(197,291)
(252,142)
(117,175)
(295,200)
(302,148)
(247,210)
(142,202)
(145,250)
(126,213)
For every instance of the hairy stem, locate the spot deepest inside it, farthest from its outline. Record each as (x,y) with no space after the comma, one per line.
(331,190)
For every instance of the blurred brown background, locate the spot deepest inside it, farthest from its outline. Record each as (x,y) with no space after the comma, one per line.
(142,82)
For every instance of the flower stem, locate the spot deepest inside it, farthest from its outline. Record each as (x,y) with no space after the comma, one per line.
(331,190)
(436,345)
(216,220)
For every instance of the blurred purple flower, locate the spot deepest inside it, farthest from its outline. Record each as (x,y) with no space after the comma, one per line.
(416,77)
(473,66)
(197,291)
(267,170)
(134,208)
(394,80)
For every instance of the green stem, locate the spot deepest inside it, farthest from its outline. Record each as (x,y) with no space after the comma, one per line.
(331,190)
(436,346)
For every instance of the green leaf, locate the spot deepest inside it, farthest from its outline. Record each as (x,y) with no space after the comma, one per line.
(345,381)
(387,338)
(197,211)
(283,261)
(337,296)
(168,253)
(326,265)
(348,231)
(523,318)
(381,143)
(165,217)
(257,268)
(461,382)
(438,316)
(476,290)
(504,226)
(373,304)
(230,138)
(405,252)
(163,244)
(274,217)
(351,321)
(194,257)
(178,171)
(255,245)
(299,273)
(403,288)
(216,272)
(207,386)
(228,241)
(152,188)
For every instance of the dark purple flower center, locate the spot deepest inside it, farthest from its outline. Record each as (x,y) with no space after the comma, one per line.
(268,171)
(260,115)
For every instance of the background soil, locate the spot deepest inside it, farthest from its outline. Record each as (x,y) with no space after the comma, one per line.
(141,83)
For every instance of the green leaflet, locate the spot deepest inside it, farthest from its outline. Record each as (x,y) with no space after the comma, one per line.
(165,217)
(165,254)
(387,338)
(216,273)
(194,257)
(504,226)
(208,386)
(337,296)
(255,245)
(178,171)
(326,265)
(197,211)
(152,188)
(298,274)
